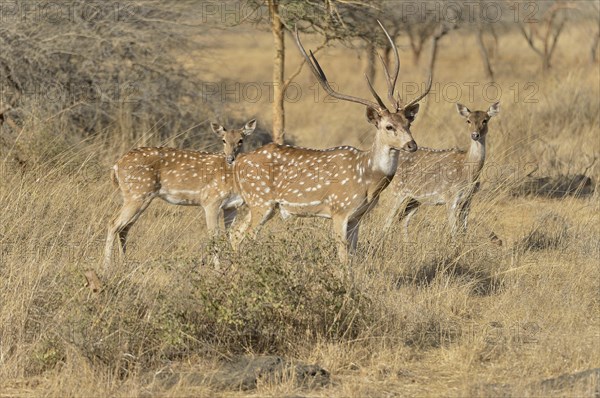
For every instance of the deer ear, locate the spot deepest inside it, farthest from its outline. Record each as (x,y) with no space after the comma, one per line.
(463,110)
(217,129)
(494,109)
(373,116)
(411,112)
(249,127)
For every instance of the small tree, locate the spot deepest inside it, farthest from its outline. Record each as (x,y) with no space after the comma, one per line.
(484,50)
(277,28)
(419,27)
(361,24)
(321,16)
(542,34)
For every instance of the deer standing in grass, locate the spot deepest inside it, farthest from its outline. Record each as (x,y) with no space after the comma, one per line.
(180,177)
(442,176)
(341,183)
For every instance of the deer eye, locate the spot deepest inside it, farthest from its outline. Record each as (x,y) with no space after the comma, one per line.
(389,127)
(468,121)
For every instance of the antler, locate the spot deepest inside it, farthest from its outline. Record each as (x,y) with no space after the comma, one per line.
(391,82)
(320,75)
(420,97)
(390,79)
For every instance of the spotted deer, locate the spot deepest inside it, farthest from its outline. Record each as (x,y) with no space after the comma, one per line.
(180,177)
(341,183)
(442,176)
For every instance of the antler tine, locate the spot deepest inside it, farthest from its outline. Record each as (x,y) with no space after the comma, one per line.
(320,75)
(420,97)
(317,66)
(391,81)
(372,90)
(395,102)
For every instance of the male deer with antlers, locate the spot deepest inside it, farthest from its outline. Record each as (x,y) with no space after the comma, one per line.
(341,183)
(180,177)
(443,176)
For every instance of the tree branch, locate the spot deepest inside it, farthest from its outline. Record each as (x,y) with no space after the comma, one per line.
(529,39)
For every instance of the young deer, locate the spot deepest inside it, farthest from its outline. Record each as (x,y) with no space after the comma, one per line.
(442,176)
(341,183)
(180,177)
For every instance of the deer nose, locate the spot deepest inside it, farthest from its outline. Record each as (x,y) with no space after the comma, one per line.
(411,146)
(230,159)
(475,136)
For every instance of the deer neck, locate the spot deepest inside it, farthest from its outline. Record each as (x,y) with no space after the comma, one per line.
(475,158)
(383,159)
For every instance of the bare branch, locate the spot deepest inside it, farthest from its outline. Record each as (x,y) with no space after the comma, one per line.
(529,38)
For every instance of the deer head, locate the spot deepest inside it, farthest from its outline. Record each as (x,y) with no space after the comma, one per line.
(393,125)
(477,122)
(233,139)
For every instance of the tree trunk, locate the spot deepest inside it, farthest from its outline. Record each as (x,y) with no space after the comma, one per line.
(594,50)
(416,46)
(487,66)
(546,63)
(416,52)
(371,51)
(278,72)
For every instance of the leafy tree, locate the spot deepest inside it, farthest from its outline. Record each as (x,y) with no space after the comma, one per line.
(325,17)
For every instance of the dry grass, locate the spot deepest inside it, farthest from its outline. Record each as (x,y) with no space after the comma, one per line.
(420,319)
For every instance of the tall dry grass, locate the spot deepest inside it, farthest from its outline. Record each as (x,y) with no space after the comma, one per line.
(407,319)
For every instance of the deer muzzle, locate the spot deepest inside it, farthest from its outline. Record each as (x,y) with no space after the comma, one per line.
(410,146)
(475,135)
(229,159)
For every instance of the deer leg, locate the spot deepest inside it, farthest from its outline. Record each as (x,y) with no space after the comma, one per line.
(398,203)
(123,239)
(108,248)
(213,216)
(464,215)
(352,234)
(228,217)
(409,210)
(340,230)
(250,225)
(454,209)
(212,212)
(121,225)
(237,233)
(259,217)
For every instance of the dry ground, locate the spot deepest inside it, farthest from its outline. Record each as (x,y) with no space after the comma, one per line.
(417,319)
